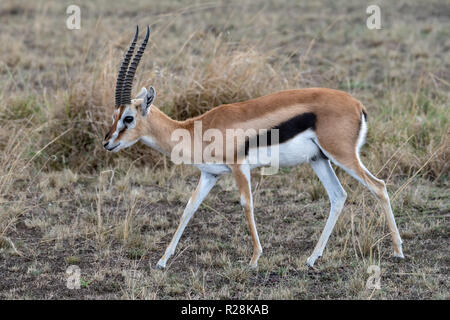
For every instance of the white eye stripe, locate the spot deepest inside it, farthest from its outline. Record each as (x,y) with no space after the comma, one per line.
(128,113)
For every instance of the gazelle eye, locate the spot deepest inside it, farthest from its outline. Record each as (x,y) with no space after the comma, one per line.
(128,119)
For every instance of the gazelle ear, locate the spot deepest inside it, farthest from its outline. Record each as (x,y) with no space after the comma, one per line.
(139,98)
(142,93)
(148,100)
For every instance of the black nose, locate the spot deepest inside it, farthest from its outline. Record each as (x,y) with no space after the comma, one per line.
(106,144)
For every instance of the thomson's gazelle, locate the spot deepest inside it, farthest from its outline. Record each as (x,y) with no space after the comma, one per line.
(314,125)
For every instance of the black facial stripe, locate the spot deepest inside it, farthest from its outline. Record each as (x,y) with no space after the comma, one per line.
(124,127)
(287,130)
(120,132)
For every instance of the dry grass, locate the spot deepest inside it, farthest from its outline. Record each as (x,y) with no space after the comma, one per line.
(63,200)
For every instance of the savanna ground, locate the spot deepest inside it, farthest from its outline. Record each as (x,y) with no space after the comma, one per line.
(65,201)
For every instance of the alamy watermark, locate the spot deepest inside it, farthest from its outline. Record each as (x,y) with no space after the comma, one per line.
(374,280)
(73,280)
(234,146)
(374,20)
(73,21)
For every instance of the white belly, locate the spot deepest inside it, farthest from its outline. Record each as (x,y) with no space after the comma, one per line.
(295,151)
(213,168)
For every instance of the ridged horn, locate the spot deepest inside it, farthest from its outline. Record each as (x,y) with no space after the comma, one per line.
(123,69)
(128,83)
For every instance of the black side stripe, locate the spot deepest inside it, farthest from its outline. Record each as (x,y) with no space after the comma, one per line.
(287,130)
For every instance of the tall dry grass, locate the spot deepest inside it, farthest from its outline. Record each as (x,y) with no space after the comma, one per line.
(408,136)
(83,112)
(67,96)
(407,129)
(16,138)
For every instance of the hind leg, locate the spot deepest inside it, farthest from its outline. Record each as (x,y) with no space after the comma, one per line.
(337,197)
(378,188)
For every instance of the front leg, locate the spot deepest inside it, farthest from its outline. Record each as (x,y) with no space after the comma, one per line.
(205,184)
(242,176)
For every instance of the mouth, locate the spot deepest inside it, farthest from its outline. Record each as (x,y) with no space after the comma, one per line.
(111,149)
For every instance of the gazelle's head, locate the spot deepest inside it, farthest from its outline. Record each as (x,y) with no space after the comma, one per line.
(129,113)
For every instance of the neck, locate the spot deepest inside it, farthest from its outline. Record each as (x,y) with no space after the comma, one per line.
(157,130)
